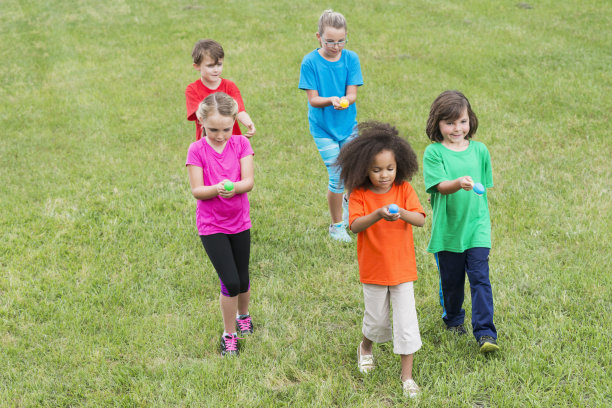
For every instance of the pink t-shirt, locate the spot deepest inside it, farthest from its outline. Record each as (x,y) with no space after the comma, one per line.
(221,215)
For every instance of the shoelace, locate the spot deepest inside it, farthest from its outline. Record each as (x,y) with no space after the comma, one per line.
(231,343)
(244,324)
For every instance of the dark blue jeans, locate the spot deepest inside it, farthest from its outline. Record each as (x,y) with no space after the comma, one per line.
(453,267)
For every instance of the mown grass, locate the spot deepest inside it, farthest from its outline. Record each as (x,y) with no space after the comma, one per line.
(106,296)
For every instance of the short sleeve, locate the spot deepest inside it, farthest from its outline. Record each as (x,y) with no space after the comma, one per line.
(194,156)
(245,147)
(412,200)
(354,71)
(356,205)
(488,172)
(307,77)
(433,170)
(233,91)
(192,100)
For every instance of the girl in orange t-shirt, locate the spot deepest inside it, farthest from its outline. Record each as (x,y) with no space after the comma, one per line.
(383,207)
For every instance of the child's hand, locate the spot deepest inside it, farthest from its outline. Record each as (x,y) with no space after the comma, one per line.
(466,183)
(384,213)
(222,192)
(336,102)
(250,130)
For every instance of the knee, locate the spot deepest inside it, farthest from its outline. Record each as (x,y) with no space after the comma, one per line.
(230,288)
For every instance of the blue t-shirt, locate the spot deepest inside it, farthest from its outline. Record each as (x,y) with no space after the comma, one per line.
(331,79)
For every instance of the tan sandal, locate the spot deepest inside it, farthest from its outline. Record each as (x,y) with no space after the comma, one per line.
(365,362)
(411,389)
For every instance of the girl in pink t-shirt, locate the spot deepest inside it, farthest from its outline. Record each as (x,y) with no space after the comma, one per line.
(220,168)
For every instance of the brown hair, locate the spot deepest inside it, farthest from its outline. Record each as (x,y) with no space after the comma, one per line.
(449,105)
(217,102)
(356,156)
(209,48)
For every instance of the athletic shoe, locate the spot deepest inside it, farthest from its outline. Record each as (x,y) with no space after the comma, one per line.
(487,344)
(229,345)
(345,212)
(411,389)
(365,362)
(459,329)
(245,325)
(339,233)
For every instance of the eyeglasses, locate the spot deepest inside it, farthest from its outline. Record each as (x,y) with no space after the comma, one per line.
(340,43)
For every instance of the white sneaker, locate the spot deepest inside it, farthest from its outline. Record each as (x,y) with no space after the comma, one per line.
(339,233)
(411,389)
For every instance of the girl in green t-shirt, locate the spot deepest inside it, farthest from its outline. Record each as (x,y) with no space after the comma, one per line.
(461,226)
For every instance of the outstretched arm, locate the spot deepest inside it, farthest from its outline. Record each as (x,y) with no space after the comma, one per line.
(317,101)
(245,119)
(452,186)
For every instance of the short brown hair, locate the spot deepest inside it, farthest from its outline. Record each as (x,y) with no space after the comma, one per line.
(449,105)
(209,48)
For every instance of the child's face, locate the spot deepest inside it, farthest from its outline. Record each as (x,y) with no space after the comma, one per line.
(382,172)
(455,131)
(332,42)
(218,129)
(209,70)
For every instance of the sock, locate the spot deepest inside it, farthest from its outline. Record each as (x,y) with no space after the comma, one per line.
(239,316)
(339,225)
(235,334)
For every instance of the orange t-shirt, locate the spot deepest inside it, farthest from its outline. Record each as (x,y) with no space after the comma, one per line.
(385,250)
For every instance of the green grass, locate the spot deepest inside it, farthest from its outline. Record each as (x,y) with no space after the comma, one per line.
(107,297)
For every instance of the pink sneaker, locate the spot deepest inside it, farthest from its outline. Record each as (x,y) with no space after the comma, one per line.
(245,325)
(229,345)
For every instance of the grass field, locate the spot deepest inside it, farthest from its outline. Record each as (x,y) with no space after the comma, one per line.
(107,297)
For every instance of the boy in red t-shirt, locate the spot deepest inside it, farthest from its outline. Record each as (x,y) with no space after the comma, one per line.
(208,60)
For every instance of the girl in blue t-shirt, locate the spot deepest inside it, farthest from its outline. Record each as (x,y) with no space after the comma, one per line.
(330,76)
(461,226)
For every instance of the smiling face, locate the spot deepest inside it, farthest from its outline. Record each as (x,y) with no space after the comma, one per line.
(332,42)
(210,71)
(218,129)
(382,171)
(454,132)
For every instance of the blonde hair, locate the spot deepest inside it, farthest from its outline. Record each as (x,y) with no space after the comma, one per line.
(331,18)
(217,102)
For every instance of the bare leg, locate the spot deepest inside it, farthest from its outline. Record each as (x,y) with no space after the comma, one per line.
(407,360)
(366,346)
(229,305)
(334,200)
(243,302)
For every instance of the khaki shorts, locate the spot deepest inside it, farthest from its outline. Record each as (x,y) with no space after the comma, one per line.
(376,323)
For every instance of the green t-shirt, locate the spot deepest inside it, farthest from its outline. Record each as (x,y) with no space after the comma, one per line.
(460,220)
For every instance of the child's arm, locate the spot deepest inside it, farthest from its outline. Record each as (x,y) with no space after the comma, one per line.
(246,175)
(452,186)
(198,189)
(362,223)
(317,101)
(245,119)
(412,217)
(351,93)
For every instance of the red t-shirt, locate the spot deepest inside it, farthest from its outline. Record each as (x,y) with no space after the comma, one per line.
(196,92)
(385,250)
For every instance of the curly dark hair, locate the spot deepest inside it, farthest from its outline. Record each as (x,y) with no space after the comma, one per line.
(356,156)
(449,105)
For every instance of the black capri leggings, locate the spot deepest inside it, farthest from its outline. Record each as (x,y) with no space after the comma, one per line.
(229,254)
